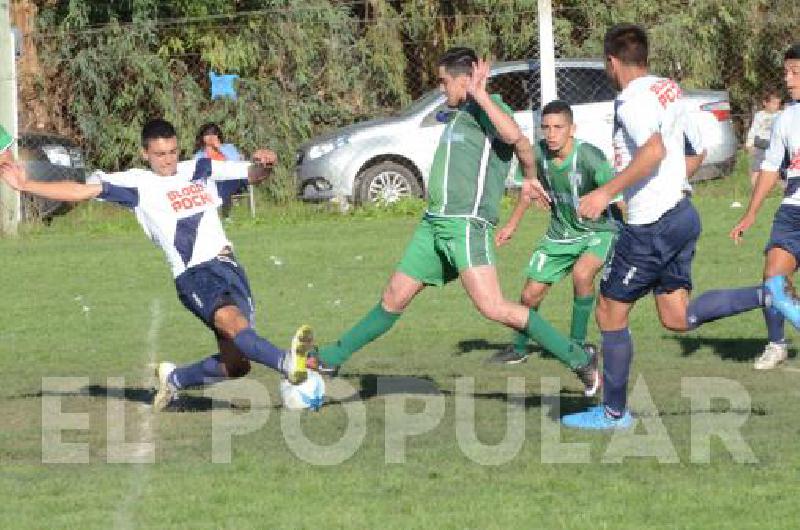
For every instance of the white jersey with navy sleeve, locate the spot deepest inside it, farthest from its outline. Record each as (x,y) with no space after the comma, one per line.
(650,105)
(784,148)
(179,212)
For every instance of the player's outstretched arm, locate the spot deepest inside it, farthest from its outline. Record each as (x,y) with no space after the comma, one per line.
(261,169)
(15,176)
(764,183)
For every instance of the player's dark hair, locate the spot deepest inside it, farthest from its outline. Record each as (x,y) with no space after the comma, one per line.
(771,92)
(558,106)
(628,43)
(793,52)
(458,61)
(205,130)
(156,129)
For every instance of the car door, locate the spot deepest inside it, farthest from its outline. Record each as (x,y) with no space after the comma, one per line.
(591,95)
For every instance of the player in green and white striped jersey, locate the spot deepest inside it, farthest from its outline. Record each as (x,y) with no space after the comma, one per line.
(568,169)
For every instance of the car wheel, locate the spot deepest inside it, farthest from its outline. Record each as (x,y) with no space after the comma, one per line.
(387,182)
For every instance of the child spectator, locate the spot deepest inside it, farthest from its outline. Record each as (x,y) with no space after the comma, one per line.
(760,131)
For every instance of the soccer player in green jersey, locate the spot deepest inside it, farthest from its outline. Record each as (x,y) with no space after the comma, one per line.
(455,238)
(568,169)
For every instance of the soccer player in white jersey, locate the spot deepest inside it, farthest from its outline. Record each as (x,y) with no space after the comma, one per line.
(176,205)
(657,242)
(783,248)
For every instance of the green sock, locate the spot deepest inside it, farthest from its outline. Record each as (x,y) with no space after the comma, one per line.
(377,322)
(520,343)
(581,311)
(568,352)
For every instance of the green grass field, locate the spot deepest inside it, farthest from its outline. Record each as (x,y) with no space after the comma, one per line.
(90,298)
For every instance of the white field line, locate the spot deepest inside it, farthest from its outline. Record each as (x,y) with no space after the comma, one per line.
(140,474)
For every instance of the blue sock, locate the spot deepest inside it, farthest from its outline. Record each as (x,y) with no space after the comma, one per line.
(721,303)
(617,347)
(774,322)
(207,371)
(259,349)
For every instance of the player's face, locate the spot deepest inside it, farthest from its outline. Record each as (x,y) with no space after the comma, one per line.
(6,156)
(557,131)
(212,140)
(791,74)
(612,71)
(162,155)
(772,104)
(453,87)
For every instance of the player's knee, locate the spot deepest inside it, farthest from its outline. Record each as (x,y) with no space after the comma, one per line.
(583,280)
(531,298)
(393,300)
(674,322)
(229,321)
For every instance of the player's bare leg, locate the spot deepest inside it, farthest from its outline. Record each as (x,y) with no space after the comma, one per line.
(483,288)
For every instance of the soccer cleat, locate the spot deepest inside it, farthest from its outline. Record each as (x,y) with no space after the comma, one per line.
(294,362)
(313,362)
(774,354)
(166,392)
(588,373)
(783,299)
(597,419)
(507,356)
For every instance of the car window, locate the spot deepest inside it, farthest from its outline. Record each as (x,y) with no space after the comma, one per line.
(520,90)
(578,85)
(420,104)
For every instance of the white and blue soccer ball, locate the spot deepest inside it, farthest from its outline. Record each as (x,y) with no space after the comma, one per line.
(310,394)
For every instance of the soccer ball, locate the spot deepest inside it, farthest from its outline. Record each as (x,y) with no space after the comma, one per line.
(307,395)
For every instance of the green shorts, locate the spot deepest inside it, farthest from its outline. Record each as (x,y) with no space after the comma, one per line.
(442,247)
(552,260)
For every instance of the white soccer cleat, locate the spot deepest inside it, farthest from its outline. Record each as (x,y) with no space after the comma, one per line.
(166,392)
(294,362)
(774,354)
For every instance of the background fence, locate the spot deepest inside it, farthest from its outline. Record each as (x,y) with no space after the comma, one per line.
(94,73)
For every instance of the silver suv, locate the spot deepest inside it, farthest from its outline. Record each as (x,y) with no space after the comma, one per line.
(389,158)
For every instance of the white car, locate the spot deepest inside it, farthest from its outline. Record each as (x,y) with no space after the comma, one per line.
(389,158)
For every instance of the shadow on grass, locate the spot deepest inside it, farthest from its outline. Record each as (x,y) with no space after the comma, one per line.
(372,386)
(142,395)
(470,345)
(729,349)
(375,386)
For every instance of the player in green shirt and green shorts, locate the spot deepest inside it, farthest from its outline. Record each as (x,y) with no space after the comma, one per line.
(568,169)
(455,238)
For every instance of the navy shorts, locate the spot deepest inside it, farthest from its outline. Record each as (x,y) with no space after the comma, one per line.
(785,232)
(218,282)
(655,257)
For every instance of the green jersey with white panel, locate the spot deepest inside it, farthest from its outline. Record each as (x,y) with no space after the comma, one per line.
(569,237)
(584,170)
(470,166)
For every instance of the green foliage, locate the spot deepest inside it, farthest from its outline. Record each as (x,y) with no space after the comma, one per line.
(307,66)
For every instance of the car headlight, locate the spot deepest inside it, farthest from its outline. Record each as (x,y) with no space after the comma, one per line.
(57,155)
(318,150)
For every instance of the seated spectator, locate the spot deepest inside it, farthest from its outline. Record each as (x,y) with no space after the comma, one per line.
(210,144)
